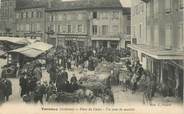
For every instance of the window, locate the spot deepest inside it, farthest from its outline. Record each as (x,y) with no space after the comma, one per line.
(142,8)
(140,31)
(115,15)
(104,15)
(181,36)
(79,28)
(32,14)
(22,15)
(181,4)
(64,28)
(104,29)
(17,15)
(69,28)
(24,27)
(149,9)
(21,27)
(27,27)
(31,27)
(115,29)
(95,30)
(156,35)
(38,27)
(29,14)
(26,14)
(35,14)
(40,14)
(54,28)
(52,18)
(156,8)
(128,30)
(168,4)
(168,37)
(137,9)
(34,27)
(94,15)
(128,17)
(59,28)
(18,27)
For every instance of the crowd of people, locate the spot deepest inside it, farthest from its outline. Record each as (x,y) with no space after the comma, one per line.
(5,89)
(58,64)
(140,79)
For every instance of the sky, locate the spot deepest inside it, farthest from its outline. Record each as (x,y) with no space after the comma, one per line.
(126,3)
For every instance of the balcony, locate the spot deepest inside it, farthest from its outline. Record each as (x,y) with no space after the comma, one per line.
(146,1)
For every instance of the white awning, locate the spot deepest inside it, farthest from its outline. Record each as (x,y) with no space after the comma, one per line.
(33,50)
(157,53)
(17,40)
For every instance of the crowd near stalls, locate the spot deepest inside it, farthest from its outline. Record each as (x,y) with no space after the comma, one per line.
(108,67)
(58,62)
(23,62)
(135,78)
(88,87)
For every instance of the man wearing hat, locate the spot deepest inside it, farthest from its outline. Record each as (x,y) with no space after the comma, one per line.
(39,92)
(2,91)
(24,84)
(73,83)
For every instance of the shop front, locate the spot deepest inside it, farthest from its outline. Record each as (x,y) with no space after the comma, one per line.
(166,65)
(68,40)
(105,42)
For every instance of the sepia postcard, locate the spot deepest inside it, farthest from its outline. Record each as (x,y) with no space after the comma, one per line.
(91,56)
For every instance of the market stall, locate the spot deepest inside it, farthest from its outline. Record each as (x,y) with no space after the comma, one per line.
(35,51)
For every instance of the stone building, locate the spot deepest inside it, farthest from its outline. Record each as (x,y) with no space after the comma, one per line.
(157,33)
(30,20)
(7,19)
(18,14)
(97,23)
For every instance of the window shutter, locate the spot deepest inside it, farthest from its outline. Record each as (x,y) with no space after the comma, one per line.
(168,6)
(168,36)
(156,36)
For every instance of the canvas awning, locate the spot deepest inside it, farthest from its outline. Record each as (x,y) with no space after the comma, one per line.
(16,40)
(33,50)
(157,53)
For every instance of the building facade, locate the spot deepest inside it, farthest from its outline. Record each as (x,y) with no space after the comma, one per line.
(95,23)
(24,18)
(7,19)
(109,27)
(30,20)
(66,28)
(157,40)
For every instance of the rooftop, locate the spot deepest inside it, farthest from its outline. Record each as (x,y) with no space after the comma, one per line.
(85,4)
(26,4)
